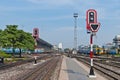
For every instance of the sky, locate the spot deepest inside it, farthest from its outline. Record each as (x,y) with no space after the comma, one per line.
(55,20)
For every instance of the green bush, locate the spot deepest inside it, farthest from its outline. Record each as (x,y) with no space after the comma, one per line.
(5,55)
(117,55)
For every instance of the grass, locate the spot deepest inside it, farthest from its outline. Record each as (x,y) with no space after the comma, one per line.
(9,58)
(5,55)
(117,55)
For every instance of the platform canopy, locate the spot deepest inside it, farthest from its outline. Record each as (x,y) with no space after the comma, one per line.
(43,44)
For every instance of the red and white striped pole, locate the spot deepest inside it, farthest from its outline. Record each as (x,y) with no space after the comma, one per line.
(35,45)
(91,49)
(92,26)
(91,74)
(35,56)
(36,36)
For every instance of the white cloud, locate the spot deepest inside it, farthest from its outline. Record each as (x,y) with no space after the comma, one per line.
(53,2)
(67,29)
(64,29)
(117,26)
(62,34)
(56,17)
(101,13)
(21,8)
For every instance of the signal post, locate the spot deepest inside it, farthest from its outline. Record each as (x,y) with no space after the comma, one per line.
(92,27)
(36,36)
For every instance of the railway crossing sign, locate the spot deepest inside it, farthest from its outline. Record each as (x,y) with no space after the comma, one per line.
(91,21)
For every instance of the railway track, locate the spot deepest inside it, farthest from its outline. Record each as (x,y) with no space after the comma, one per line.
(10,65)
(104,69)
(114,62)
(43,71)
(109,63)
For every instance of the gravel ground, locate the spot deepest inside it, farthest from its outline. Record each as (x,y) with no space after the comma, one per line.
(56,73)
(15,72)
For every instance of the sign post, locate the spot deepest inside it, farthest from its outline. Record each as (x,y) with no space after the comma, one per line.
(92,27)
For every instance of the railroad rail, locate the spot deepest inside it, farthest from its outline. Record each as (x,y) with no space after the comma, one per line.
(115,62)
(43,71)
(10,65)
(105,69)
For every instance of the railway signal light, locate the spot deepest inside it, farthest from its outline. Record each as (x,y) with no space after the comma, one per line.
(91,17)
(36,33)
(92,27)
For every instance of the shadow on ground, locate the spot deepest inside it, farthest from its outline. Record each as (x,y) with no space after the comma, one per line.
(73,72)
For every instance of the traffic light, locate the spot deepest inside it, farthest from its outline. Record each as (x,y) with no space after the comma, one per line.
(91,17)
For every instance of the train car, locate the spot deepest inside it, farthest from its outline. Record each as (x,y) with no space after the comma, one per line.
(112,51)
(39,50)
(84,50)
(10,50)
(99,51)
(67,50)
(96,51)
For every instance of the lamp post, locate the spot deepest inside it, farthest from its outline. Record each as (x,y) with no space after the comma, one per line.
(75,15)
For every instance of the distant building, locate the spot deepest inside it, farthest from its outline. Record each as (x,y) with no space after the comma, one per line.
(60,46)
(108,46)
(55,47)
(43,46)
(116,41)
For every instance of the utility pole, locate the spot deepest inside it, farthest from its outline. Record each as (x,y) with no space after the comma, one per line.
(75,33)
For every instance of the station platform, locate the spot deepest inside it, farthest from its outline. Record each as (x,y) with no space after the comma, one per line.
(71,69)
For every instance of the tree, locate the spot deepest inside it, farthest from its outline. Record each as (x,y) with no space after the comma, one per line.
(95,46)
(12,37)
(0,39)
